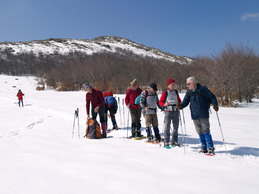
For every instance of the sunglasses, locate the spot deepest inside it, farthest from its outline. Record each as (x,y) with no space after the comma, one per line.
(188,84)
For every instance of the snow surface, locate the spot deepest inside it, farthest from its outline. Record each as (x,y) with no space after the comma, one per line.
(38,154)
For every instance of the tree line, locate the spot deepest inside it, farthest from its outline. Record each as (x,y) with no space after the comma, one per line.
(233,74)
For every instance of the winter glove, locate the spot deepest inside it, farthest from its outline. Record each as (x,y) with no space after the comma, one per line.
(216,107)
(179,106)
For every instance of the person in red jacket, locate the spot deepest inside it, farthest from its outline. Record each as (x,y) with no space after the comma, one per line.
(95,97)
(20,97)
(132,93)
(168,100)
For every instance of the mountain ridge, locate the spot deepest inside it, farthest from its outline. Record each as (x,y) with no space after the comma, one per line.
(65,46)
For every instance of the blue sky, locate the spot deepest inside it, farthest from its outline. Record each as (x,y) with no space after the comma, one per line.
(182,27)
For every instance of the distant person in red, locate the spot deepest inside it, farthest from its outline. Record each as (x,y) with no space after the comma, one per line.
(95,97)
(20,97)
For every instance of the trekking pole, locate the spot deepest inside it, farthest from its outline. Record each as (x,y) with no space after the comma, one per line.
(75,116)
(73,126)
(128,124)
(184,128)
(182,132)
(120,110)
(221,132)
(78,123)
(162,139)
(123,112)
(25,101)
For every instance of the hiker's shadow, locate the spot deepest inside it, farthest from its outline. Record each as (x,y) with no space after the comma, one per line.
(236,151)
(125,128)
(243,151)
(191,140)
(195,144)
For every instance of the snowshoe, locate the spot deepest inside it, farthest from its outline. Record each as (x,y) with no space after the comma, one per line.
(149,139)
(203,150)
(175,144)
(167,145)
(138,138)
(157,140)
(210,152)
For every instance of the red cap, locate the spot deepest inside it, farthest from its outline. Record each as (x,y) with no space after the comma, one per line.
(170,80)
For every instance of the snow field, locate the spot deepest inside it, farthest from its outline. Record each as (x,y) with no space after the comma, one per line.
(38,154)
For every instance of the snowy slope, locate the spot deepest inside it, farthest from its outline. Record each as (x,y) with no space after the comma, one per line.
(38,154)
(100,44)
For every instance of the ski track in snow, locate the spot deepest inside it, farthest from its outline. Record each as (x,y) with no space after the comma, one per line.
(20,131)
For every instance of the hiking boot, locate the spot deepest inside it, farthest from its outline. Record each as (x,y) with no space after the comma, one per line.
(203,150)
(211,151)
(138,134)
(156,140)
(133,133)
(115,127)
(175,144)
(166,144)
(150,139)
(104,135)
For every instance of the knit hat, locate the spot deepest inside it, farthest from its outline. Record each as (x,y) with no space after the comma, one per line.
(170,80)
(87,86)
(134,82)
(154,86)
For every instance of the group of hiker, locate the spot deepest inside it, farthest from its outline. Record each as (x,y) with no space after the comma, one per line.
(146,101)
(199,97)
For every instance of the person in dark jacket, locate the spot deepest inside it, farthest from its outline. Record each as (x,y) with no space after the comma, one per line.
(200,98)
(95,97)
(168,100)
(132,93)
(111,105)
(20,97)
(149,102)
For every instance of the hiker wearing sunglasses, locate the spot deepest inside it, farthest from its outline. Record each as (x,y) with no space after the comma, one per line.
(200,98)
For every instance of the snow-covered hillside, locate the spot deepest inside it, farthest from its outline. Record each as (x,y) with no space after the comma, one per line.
(38,154)
(100,44)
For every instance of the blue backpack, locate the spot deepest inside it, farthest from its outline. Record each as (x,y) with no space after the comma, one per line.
(137,100)
(110,100)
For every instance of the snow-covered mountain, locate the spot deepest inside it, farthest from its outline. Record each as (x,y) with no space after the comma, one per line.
(101,44)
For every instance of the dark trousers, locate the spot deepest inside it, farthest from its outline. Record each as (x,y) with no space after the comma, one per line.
(20,101)
(112,115)
(101,113)
(136,125)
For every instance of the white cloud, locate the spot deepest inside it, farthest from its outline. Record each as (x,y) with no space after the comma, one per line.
(250,16)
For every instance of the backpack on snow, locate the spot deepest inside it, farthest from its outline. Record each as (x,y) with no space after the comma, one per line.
(93,129)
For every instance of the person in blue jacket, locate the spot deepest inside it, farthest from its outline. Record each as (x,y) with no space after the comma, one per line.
(200,98)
